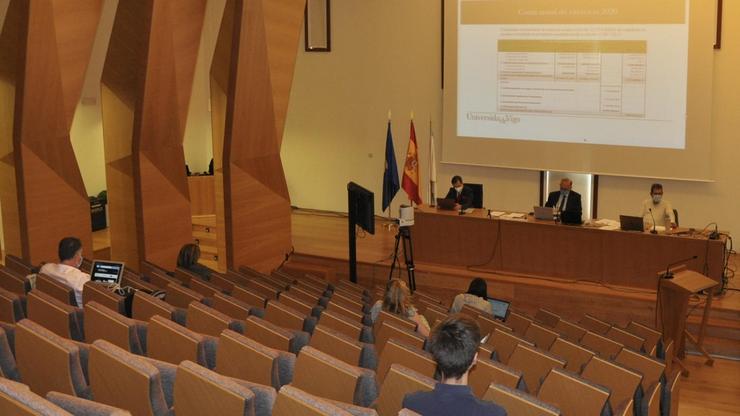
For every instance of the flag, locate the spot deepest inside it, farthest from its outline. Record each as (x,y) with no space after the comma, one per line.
(410,182)
(432,168)
(390,174)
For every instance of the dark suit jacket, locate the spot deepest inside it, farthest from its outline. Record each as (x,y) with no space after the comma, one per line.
(465,198)
(447,400)
(573,204)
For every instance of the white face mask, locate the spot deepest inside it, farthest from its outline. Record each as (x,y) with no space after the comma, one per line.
(657,199)
(459,189)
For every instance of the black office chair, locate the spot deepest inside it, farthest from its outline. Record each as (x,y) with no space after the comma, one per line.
(477,189)
(675,215)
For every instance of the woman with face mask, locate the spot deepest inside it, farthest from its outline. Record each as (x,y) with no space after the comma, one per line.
(462,195)
(658,208)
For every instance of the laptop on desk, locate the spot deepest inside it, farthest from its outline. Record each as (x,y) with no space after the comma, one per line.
(500,308)
(446,204)
(630,223)
(544,213)
(107,272)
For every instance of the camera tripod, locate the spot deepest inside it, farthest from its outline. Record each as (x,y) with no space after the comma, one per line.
(404,234)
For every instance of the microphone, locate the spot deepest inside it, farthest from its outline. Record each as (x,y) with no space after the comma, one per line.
(668,273)
(653,231)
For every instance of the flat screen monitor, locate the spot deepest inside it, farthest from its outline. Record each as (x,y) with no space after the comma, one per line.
(361,206)
(500,308)
(108,272)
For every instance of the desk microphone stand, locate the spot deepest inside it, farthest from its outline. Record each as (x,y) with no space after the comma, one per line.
(404,234)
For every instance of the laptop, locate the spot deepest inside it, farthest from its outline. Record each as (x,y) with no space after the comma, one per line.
(107,272)
(544,213)
(446,203)
(500,308)
(630,223)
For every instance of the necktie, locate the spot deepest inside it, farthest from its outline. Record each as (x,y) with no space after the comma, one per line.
(560,206)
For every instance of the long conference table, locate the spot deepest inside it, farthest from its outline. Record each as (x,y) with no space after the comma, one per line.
(536,248)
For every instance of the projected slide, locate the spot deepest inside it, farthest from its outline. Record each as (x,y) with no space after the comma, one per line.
(584,71)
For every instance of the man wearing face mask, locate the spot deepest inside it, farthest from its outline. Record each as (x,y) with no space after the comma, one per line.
(660,209)
(67,271)
(462,195)
(565,199)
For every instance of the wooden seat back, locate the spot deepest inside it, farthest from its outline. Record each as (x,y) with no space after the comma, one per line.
(95,292)
(206,320)
(341,323)
(161,280)
(336,344)
(398,382)
(268,334)
(206,289)
(173,343)
(145,306)
(220,281)
(540,336)
(570,331)
(292,401)
(518,322)
(575,355)
(185,276)
(573,395)
(594,324)
(344,300)
(504,343)
(470,312)
(231,306)
(352,287)
(410,357)
(303,295)
(621,381)
(17,284)
(418,294)
(487,371)
(535,364)
(518,403)
(626,338)
(148,268)
(287,299)
(246,359)
(284,316)
(433,314)
(546,317)
(18,400)
(488,325)
(357,316)
(18,265)
(249,296)
(103,323)
(179,296)
(390,330)
(650,368)
(264,288)
(134,281)
(199,391)
(56,289)
(53,315)
(650,335)
(601,345)
(11,309)
(320,374)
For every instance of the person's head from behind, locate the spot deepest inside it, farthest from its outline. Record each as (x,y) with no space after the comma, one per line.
(457,182)
(454,344)
(396,299)
(656,192)
(189,255)
(566,185)
(70,251)
(478,287)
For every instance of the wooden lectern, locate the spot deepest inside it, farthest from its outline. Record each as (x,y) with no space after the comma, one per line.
(672,309)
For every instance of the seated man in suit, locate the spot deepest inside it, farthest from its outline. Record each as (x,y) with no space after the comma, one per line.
(658,208)
(67,271)
(462,195)
(565,200)
(454,345)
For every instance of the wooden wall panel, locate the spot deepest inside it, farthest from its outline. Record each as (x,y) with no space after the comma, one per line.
(147,81)
(45,48)
(258,58)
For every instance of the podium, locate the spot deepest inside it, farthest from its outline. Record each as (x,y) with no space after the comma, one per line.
(672,309)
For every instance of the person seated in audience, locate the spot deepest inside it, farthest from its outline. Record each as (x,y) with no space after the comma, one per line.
(397,300)
(188,260)
(454,344)
(67,271)
(657,207)
(565,199)
(462,195)
(476,296)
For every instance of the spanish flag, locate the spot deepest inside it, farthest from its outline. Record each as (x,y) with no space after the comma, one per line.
(410,182)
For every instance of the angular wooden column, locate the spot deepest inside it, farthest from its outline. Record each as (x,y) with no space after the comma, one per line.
(45,47)
(251,75)
(146,85)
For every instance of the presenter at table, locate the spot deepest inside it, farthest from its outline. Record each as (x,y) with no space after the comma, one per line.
(462,195)
(565,199)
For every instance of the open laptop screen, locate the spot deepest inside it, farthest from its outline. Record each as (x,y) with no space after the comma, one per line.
(109,272)
(500,308)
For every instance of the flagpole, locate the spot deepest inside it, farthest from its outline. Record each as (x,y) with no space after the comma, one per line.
(391,202)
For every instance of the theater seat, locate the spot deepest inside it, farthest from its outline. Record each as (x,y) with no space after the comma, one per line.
(344,348)
(517,402)
(574,396)
(62,319)
(208,321)
(104,323)
(145,306)
(17,399)
(82,407)
(199,391)
(173,343)
(8,366)
(399,382)
(292,401)
(11,307)
(244,358)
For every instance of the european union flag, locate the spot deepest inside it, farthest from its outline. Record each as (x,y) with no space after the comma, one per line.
(391,185)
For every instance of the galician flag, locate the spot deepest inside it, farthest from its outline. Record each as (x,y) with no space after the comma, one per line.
(410,182)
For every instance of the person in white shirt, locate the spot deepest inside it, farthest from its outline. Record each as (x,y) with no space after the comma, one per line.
(658,208)
(67,271)
(476,296)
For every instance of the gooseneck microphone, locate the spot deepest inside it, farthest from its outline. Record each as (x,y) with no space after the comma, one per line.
(668,273)
(653,231)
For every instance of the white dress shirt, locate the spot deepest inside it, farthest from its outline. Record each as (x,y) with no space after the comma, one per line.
(68,275)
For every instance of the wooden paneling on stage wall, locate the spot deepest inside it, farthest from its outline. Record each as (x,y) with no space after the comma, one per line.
(146,86)
(251,74)
(44,51)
